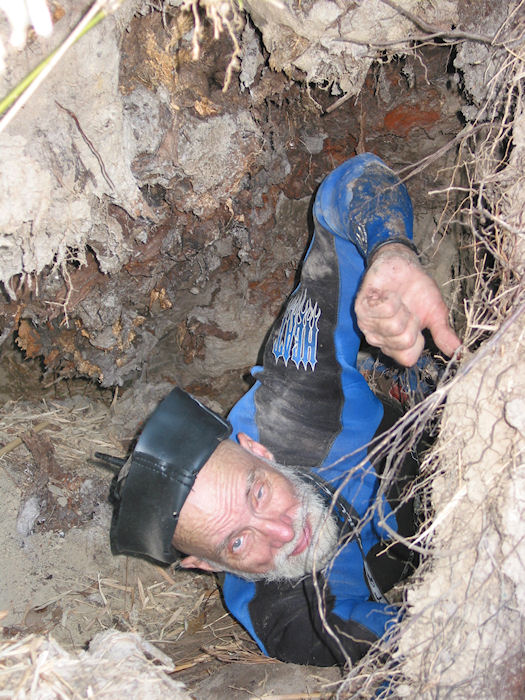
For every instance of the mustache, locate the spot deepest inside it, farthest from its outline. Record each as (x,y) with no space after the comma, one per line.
(313,512)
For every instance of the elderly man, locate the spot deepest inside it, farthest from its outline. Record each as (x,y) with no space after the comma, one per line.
(282,496)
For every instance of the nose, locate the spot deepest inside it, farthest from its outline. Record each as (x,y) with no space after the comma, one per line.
(279,531)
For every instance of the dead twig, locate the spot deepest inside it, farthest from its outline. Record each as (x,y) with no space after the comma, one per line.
(20,440)
(43,452)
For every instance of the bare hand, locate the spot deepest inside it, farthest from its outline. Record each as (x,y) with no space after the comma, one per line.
(397,300)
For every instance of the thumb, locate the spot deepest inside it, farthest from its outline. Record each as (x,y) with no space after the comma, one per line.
(444,337)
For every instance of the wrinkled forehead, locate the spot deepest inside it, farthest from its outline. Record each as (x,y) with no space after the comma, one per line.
(215,501)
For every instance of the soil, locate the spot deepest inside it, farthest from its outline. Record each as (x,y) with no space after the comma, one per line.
(59,576)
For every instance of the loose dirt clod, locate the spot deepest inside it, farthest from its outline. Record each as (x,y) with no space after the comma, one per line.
(117,665)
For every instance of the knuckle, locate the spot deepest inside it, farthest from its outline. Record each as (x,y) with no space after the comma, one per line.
(408,337)
(398,325)
(373,339)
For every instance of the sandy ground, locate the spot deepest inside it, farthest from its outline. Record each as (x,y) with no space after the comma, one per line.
(58,576)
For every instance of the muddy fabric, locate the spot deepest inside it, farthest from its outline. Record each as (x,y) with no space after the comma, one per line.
(312,408)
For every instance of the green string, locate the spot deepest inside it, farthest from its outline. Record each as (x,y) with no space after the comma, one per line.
(22,86)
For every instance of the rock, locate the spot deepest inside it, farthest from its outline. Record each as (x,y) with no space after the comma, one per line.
(28,516)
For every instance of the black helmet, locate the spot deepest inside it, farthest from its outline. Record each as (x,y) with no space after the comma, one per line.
(153,484)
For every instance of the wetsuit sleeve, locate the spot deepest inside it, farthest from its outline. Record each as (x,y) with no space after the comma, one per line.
(294,630)
(285,620)
(365,202)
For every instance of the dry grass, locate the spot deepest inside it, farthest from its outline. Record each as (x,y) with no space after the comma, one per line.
(175,611)
(117,665)
(77,430)
(465,607)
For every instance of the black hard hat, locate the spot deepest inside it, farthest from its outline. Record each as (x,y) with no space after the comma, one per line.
(152,486)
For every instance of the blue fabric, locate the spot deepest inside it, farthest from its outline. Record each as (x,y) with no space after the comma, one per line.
(238,594)
(362,200)
(359,205)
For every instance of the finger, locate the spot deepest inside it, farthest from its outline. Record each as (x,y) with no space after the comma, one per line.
(401,324)
(408,356)
(407,338)
(398,333)
(444,337)
(375,303)
(372,339)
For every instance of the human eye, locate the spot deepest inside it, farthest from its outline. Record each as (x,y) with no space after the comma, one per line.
(259,492)
(236,544)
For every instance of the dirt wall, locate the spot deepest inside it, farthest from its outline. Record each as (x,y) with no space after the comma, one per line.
(156,226)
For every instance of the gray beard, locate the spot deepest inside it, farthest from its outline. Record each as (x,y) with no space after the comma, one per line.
(323,544)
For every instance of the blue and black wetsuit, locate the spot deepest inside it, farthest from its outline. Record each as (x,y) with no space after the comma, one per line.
(312,408)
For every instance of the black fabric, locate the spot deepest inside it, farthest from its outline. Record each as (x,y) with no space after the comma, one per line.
(401,240)
(286,617)
(290,398)
(392,563)
(407,472)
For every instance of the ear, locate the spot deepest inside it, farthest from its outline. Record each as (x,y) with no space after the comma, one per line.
(196,563)
(254,447)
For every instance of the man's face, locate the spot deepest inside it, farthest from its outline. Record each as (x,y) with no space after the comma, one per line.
(251,517)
